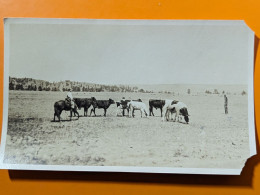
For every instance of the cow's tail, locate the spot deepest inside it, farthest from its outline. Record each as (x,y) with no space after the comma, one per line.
(150,105)
(55,107)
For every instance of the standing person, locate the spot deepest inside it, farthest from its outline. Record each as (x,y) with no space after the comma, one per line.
(123,104)
(226,104)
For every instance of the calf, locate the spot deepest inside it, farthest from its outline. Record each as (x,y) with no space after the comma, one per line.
(132,105)
(85,103)
(102,104)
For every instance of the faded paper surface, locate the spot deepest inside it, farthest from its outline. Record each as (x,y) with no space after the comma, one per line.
(194,62)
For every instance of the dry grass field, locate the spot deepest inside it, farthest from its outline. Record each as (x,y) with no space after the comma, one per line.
(211,139)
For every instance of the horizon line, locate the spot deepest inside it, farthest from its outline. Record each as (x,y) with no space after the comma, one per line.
(127,83)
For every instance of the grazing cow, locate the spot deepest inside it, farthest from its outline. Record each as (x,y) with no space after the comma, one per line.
(155,104)
(62,105)
(168,105)
(132,105)
(179,108)
(123,105)
(102,104)
(85,103)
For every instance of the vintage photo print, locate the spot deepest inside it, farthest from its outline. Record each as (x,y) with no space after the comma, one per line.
(157,96)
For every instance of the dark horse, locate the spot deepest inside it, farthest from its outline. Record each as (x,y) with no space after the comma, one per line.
(61,105)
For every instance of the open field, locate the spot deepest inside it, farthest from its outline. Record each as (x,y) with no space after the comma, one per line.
(211,139)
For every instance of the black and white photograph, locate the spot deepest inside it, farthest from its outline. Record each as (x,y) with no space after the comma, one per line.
(158,96)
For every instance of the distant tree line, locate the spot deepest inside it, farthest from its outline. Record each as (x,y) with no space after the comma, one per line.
(29,84)
(223,92)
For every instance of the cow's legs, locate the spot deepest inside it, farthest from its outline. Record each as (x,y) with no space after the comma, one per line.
(87,111)
(133,113)
(161,112)
(70,114)
(168,113)
(84,111)
(146,113)
(150,110)
(76,112)
(172,115)
(164,110)
(105,111)
(93,110)
(141,110)
(177,115)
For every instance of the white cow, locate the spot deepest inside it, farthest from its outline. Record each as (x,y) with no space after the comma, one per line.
(167,106)
(133,105)
(175,106)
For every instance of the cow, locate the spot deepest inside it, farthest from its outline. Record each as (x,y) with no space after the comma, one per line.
(180,109)
(155,104)
(85,103)
(61,105)
(172,106)
(102,104)
(132,105)
(123,105)
(168,105)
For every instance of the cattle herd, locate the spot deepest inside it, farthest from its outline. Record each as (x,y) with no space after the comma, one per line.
(167,107)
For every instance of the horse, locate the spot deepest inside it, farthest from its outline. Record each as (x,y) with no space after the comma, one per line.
(133,105)
(61,105)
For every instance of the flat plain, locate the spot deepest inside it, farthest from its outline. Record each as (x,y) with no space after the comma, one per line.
(211,139)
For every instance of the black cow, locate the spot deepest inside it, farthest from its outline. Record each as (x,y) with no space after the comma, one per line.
(123,103)
(62,105)
(155,104)
(85,103)
(102,104)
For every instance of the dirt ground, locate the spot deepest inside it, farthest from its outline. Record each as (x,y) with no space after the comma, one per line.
(211,139)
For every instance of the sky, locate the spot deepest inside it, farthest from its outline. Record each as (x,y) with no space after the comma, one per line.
(130,54)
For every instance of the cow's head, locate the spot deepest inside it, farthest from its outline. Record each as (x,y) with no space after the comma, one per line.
(111,101)
(186,118)
(118,104)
